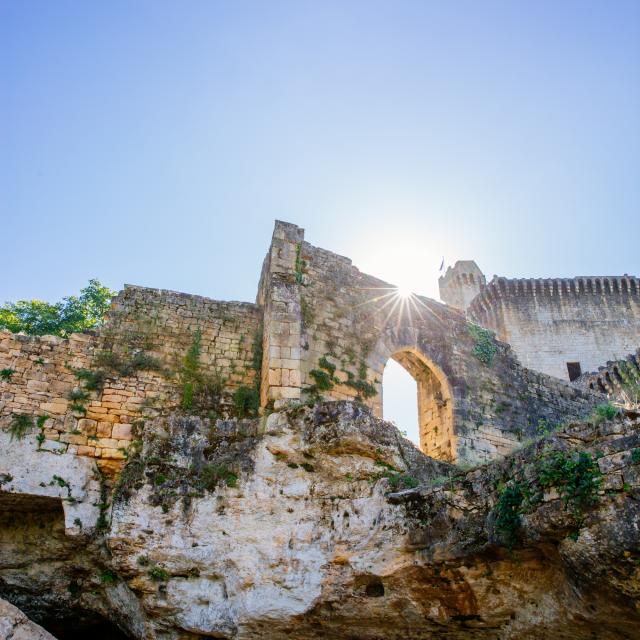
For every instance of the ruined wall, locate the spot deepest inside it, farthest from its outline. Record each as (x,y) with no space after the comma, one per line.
(619,379)
(326,331)
(552,322)
(349,324)
(148,326)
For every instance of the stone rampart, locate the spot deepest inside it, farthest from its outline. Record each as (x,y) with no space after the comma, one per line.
(320,329)
(84,395)
(558,325)
(619,379)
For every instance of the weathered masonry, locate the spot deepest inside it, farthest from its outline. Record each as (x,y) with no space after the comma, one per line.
(319,329)
(563,327)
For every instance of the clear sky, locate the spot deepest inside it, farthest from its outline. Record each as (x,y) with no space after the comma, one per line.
(154,142)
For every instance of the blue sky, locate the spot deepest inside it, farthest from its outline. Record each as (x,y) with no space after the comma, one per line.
(155,142)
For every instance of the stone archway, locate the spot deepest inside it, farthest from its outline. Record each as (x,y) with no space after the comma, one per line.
(435,404)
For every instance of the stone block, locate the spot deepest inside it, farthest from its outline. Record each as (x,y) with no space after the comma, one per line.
(86,451)
(112,454)
(87,426)
(121,431)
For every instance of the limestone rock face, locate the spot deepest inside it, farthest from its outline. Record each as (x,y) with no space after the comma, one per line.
(323,522)
(14,625)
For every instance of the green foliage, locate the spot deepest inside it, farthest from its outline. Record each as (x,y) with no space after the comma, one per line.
(211,474)
(323,380)
(635,455)
(158,574)
(300,264)
(78,395)
(365,389)
(604,412)
(92,379)
(40,422)
(577,478)
(199,390)
(246,401)
(485,347)
(61,482)
(308,467)
(329,367)
(402,481)
(306,311)
(108,576)
(362,386)
(102,523)
(5,374)
(143,561)
(126,364)
(73,314)
(508,510)
(19,425)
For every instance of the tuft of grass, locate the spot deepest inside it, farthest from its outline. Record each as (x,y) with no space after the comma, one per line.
(19,425)
(604,412)
(5,374)
(158,574)
(107,576)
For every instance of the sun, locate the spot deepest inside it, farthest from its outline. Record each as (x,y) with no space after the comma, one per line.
(404,292)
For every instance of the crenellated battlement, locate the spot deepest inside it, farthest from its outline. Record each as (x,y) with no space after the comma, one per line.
(562,326)
(554,288)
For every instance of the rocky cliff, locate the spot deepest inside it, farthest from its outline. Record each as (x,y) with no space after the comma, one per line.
(324,522)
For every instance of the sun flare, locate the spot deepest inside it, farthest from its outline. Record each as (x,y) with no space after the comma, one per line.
(404,292)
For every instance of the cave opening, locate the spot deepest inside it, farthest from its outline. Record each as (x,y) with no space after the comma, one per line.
(80,628)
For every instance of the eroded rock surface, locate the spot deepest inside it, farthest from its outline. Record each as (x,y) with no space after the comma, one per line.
(14,625)
(323,522)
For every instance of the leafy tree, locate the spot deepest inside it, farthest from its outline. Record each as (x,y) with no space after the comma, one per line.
(72,314)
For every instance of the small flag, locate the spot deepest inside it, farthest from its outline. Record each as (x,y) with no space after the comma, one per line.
(442,264)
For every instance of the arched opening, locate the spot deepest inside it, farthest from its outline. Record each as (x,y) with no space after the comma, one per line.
(400,406)
(434,415)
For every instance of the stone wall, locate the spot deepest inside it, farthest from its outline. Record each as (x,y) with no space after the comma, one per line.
(326,331)
(619,380)
(155,327)
(550,323)
(349,324)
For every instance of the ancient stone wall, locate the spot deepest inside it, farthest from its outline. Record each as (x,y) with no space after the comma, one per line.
(550,323)
(619,379)
(326,331)
(349,324)
(138,356)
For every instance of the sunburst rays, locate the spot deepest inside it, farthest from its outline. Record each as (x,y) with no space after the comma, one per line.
(398,304)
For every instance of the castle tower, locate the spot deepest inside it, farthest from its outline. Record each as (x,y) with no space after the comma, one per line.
(461,284)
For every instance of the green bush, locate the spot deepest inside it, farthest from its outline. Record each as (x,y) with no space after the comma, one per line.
(73,314)
(199,389)
(508,510)
(246,401)
(605,412)
(485,347)
(5,374)
(577,478)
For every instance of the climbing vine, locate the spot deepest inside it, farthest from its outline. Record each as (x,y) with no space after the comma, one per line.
(576,476)
(484,347)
